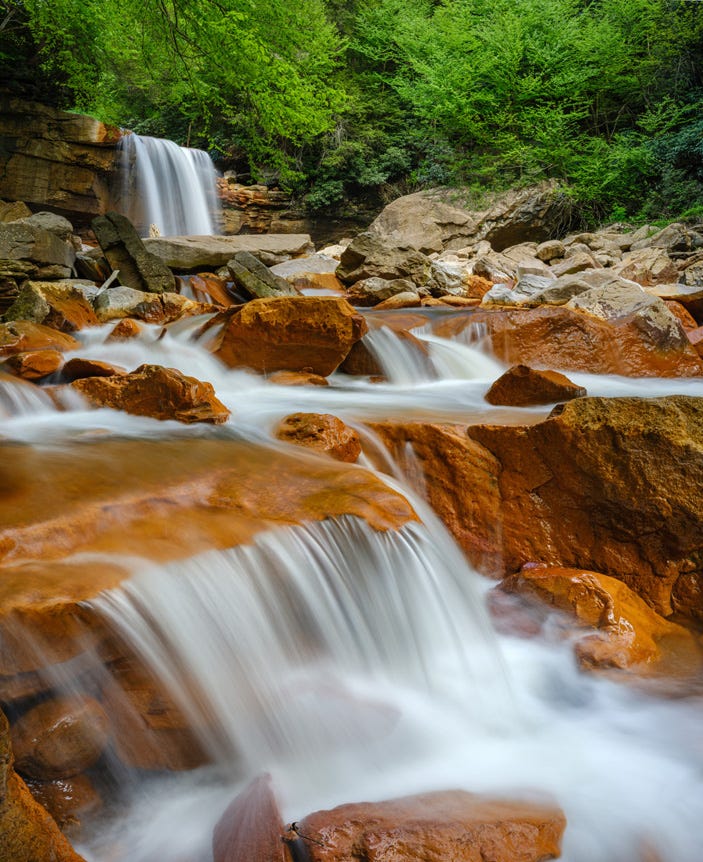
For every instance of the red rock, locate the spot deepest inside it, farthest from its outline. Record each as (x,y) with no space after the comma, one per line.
(452,825)
(322,432)
(125,329)
(292,333)
(251,828)
(567,339)
(297,378)
(209,288)
(148,730)
(630,633)
(78,368)
(35,364)
(59,738)
(477,286)
(161,393)
(682,314)
(21,336)
(68,800)
(522,386)
(27,832)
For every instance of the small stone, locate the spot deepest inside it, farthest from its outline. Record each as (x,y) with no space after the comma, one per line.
(522,386)
(322,432)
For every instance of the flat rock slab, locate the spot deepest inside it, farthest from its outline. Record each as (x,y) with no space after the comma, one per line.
(186,253)
(452,825)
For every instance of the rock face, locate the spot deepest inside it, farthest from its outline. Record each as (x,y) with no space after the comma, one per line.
(57,304)
(626,632)
(27,832)
(322,432)
(125,251)
(451,825)
(59,738)
(634,517)
(191,253)
(56,159)
(301,333)
(373,256)
(161,393)
(535,214)
(522,386)
(23,241)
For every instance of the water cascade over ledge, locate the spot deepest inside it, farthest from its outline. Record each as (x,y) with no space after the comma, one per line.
(170,187)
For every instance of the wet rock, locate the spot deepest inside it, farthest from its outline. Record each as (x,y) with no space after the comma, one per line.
(210,288)
(35,364)
(161,393)
(27,242)
(78,368)
(191,253)
(629,632)
(322,432)
(139,269)
(301,333)
(372,256)
(21,336)
(454,825)
(124,330)
(522,386)
(406,299)
(251,828)
(681,313)
(59,305)
(372,291)
(424,221)
(27,832)
(68,801)
(59,738)
(148,730)
(256,280)
(297,378)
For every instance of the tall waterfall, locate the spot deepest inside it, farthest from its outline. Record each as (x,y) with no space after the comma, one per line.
(171,187)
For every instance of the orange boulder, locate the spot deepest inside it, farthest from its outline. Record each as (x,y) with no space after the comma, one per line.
(522,386)
(21,336)
(78,368)
(34,364)
(288,333)
(322,432)
(161,393)
(452,825)
(124,330)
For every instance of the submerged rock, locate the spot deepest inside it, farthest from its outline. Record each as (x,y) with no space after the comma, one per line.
(322,432)
(251,828)
(452,825)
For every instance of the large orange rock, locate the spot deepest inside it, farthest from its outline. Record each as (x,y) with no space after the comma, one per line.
(151,390)
(158,499)
(522,386)
(59,738)
(34,364)
(291,333)
(251,828)
(59,305)
(322,432)
(629,632)
(555,492)
(571,340)
(78,368)
(27,831)
(452,825)
(148,730)
(21,336)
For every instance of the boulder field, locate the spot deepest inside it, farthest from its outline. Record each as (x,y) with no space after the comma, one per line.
(588,515)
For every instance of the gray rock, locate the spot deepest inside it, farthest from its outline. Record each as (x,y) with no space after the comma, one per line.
(255,279)
(550,250)
(20,240)
(125,251)
(372,256)
(371,291)
(192,253)
(55,224)
(674,238)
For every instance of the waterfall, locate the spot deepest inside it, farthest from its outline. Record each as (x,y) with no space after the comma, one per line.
(171,187)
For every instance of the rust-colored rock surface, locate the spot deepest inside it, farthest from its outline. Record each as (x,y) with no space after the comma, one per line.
(208,287)
(629,632)
(570,340)
(450,825)
(322,432)
(161,393)
(124,330)
(522,386)
(34,364)
(68,800)
(78,368)
(148,730)
(59,738)
(21,336)
(59,305)
(297,378)
(27,831)
(251,828)
(292,333)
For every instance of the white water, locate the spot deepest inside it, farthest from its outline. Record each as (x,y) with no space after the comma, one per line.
(171,187)
(355,665)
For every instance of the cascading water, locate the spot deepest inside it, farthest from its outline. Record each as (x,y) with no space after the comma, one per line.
(170,187)
(357,665)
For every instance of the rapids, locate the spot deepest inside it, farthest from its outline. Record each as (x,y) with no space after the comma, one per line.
(357,665)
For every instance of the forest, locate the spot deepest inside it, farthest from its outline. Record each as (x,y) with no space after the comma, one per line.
(338,101)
